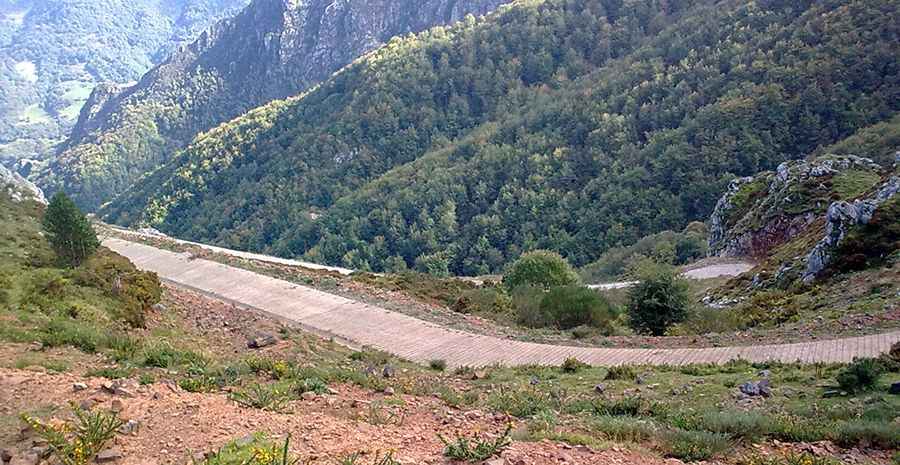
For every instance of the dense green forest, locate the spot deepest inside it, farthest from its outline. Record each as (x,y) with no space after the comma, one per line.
(272,49)
(569,125)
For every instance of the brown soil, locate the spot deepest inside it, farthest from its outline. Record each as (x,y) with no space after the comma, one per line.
(175,424)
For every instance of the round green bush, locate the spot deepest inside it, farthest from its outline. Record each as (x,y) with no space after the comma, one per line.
(659,300)
(540,268)
(563,307)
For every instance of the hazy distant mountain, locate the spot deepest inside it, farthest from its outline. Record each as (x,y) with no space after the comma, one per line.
(53,53)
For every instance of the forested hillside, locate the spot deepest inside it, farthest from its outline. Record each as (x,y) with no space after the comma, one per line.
(273,49)
(53,53)
(571,125)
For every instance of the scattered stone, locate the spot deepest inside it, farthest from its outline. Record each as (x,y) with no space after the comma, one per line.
(109,455)
(262,340)
(388,371)
(479,374)
(600,388)
(389,391)
(308,395)
(5,455)
(159,307)
(333,391)
(36,346)
(116,406)
(496,462)
(245,441)
(764,374)
(26,458)
(79,387)
(756,388)
(87,404)
(895,389)
(118,387)
(534,380)
(41,451)
(474,415)
(833,393)
(130,427)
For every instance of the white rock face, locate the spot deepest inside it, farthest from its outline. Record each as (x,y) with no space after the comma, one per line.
(840,218)
(20,188)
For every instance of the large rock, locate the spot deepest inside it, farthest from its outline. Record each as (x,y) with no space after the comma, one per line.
(841,217)
(19,188)
(741,226)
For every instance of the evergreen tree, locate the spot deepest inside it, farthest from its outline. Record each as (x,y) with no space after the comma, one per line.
(69,232)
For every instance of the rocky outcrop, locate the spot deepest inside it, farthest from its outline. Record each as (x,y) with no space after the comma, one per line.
(273,49)
(718,221)
(19,188)
(841,217)
(757,214)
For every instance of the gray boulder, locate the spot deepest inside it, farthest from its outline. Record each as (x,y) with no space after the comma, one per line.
(20,188)
(841,217)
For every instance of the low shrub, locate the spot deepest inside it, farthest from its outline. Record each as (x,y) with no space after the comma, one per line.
(626,406)
(438,365)
(77,442)
(257,451)
(475,449)
(624,429)
(621,372)
(694,446)
(861,375)
(867,433)
(521,403)
(356,459)
(563,308)
(573,365)
(572,306)
(315,385)
(789,459)
(273,398)
(749,426)
(164,355)
(486,300)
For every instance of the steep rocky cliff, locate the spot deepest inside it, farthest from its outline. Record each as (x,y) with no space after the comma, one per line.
(273,49)
(759,213)
(809,218)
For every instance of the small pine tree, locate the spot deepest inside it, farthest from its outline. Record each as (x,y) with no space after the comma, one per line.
(69,232)
(659,300)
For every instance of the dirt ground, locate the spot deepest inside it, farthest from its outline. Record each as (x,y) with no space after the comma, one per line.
(174,425)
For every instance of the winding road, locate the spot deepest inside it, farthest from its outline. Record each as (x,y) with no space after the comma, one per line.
(359,324)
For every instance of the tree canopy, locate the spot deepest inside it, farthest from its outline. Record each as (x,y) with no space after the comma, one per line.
(68,231)
(568,125)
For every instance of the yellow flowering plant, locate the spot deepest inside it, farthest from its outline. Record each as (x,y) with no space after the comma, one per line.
(77,442)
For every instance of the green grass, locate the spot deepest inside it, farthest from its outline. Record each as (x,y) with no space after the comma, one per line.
(30,360)
(853,183)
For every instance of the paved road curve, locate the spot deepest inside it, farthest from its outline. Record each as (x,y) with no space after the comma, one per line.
(360,324)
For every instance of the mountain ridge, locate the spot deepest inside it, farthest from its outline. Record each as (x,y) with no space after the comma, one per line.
(53,52)
(273,49)
(544,145)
